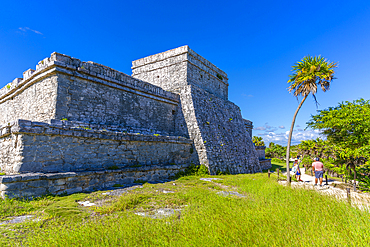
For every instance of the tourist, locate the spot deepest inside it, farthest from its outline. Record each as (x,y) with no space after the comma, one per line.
(318,167)
(297,171)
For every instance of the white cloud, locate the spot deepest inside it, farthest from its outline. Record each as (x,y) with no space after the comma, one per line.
(247,95)
(266,127)
(25,29)
(282,127)
(297,126)
(297,137)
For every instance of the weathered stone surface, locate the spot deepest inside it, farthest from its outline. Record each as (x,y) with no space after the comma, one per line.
(222,138)
(70,116)
(35,150)
(29,185)
(264,163)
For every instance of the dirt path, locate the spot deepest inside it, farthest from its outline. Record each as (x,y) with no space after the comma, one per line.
(361,200)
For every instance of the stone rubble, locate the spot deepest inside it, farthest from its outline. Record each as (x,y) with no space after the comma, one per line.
(18,219)
(86,204)
(159,213)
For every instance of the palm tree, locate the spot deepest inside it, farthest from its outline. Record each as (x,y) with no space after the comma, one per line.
(308,74)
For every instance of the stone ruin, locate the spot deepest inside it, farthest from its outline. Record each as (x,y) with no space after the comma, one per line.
(71,126)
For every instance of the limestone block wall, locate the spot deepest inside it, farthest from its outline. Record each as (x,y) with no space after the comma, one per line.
(64,87)
(168,71)
(30,185)
(203,75)
(218,131)
(31,98)
(221,137)
(81,100)
(248,126)
(261,151)
(10,152)
(180,67)
(40,147)
(264,163)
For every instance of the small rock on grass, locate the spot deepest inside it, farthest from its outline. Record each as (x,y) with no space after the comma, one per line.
(210,179)
(159,213)
(17,219)
(86,204)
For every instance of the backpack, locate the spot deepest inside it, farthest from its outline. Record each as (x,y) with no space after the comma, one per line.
(294,169)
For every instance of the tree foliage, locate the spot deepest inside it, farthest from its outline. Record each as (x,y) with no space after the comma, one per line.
(258,141)
(347,128)
(275,151)
(310,73)
(319,148)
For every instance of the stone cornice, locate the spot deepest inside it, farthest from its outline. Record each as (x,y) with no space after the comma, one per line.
(86,70)
(83,130)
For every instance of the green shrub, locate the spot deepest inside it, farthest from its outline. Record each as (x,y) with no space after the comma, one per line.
(139,181)
(114,167)
(277,160)
(117,185)
(193,170)
(227,172)
(306,161)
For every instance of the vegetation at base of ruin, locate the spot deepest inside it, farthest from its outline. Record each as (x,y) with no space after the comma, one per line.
(84,127)
(136,165)
(2,173)
(227,172)
(140,181)
(193,170)
(114,167)
(257,140)
(118,185)
(156,134)
(202,217)
(64,119)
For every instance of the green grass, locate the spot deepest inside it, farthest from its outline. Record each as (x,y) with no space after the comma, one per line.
(268,215)
(280,165)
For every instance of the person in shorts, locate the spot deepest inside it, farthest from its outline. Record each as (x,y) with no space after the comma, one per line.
(297,171)
(318,167)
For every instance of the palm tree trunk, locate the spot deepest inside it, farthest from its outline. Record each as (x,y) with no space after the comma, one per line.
(290,139)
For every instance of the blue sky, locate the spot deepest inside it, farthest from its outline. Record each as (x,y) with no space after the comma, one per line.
(254,42)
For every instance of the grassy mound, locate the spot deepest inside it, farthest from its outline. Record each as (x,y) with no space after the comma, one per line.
(268,214)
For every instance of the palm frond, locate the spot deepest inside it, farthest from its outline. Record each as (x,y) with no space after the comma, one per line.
(309,74)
